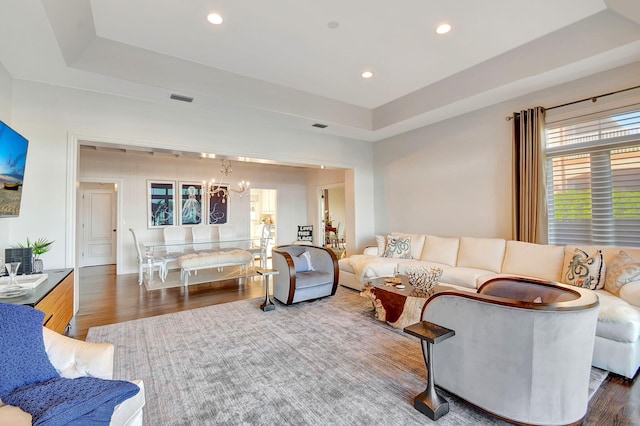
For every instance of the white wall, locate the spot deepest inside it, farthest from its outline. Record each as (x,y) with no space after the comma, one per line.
(453,178)
(357,198)
(55,118)
(5,95)
(337,207)
(6,88)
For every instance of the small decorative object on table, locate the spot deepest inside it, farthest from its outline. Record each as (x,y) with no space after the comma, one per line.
(422,278)
(39,247)
(11,289)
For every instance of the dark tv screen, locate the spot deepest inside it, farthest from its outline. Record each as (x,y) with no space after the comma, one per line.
(13,159)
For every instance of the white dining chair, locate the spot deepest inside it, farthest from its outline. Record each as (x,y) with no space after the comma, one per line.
(175,237)
(227,233)
(146,263)
(261,250)
(201,235)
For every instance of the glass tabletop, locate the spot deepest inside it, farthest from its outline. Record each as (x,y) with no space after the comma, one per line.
(241,243)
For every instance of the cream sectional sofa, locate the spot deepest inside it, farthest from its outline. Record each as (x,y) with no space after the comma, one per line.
(468,262)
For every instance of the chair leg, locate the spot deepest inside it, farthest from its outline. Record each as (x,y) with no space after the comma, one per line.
(140,273)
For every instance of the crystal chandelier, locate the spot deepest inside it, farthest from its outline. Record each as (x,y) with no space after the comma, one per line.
(222,189)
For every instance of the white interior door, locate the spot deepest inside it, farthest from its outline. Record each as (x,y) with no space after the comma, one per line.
(98,226)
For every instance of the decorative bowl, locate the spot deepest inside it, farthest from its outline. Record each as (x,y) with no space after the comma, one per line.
(423,278)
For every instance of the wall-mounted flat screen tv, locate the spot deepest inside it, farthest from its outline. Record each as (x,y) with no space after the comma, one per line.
(13,159)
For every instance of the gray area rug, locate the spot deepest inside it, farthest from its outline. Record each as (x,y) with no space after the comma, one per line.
(327,362)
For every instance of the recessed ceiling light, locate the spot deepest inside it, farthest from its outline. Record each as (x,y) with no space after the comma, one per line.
(215,18)
(333,25)
(367,74)
(443,28)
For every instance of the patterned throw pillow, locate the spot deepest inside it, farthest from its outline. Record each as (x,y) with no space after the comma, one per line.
(398,247)
(624,269)
(586,271)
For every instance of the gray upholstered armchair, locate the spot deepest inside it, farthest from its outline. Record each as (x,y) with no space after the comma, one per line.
(305,273)
(522,348)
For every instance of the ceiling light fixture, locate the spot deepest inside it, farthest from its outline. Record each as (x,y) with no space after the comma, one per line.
(215,18)
(443,28)
(333,25)
(222,190)
(367,74)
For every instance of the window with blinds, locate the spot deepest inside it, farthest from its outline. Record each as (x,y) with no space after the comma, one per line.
(593,178)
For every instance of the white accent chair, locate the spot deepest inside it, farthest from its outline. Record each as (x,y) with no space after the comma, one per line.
(149,264)
(76,358)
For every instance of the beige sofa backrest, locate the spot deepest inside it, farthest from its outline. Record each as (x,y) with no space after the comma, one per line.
(533,260)
(481,253)
(441,250)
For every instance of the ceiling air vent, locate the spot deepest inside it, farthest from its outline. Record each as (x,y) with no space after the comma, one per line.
(181,98)
(319,125)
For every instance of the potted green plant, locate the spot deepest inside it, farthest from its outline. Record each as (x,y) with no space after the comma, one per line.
(39,247)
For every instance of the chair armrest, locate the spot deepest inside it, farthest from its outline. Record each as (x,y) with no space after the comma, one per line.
(371,250)
(284,283)
(76,358)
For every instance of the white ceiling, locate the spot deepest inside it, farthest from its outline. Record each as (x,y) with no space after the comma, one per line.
(280,60)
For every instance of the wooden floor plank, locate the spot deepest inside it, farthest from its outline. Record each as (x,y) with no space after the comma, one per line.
(107,298)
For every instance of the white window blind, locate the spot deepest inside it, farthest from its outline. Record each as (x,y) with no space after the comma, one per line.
(593,178)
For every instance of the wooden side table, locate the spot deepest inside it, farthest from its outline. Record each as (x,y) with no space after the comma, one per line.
(429,402)
(268,305)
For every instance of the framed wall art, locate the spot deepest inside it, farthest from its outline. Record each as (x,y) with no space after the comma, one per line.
(218,206)
(161,203)
(191,203)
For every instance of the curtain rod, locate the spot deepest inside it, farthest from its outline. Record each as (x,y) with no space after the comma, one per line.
(592,99)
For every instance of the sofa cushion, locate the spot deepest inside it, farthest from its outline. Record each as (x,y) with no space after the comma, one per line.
(366,266)
(533,260)
(583,269)
(24,359)
(622,270)
(313,278)
(441,250)
(398,247)
(630,293)
(463,277)
(13,416)
(481,253)
(617,320)
(417,243)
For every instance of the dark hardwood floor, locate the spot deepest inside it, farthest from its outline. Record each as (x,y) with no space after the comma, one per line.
(106,298)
